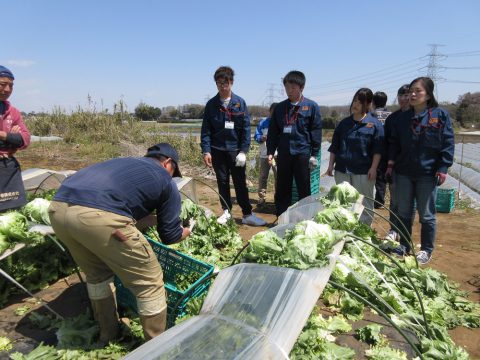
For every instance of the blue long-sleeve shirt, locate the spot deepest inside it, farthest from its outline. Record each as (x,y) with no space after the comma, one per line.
(422,144)
(216,134)
(132,187)
(305,134)
(260,131)
(355,142)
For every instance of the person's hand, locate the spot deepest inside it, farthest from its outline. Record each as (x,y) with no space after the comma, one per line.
(372,174)
(3,135)
(388,174)
(15,129)
(270,160)
(264,138)
(441,177)
(330,171)
(207,159)
(241,159)
(313,162)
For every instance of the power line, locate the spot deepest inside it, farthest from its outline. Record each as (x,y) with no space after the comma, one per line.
(462,81)
(460,67)
(367,75)
(467,53)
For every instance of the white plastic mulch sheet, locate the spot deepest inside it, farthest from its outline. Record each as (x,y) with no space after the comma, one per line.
(297,213)
(252,311)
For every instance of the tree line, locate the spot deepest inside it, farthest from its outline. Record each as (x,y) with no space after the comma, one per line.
(465,112)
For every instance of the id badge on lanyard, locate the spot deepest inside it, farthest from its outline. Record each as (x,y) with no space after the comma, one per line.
(291,120)
(229,124)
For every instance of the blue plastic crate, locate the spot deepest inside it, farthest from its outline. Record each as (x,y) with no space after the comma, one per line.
(445,200)
(173,262)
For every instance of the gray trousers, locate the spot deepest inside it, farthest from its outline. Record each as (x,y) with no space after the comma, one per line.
(364,187)
(263,178)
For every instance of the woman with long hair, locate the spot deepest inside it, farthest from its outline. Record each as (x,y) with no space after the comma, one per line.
(421,151)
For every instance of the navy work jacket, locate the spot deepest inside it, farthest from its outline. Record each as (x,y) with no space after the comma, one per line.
(214,132)
(305,134)
(131,187)
(355,142)
(422,144)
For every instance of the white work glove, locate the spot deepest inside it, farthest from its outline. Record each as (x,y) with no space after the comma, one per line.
(191,224)
(312,163)
(241,159)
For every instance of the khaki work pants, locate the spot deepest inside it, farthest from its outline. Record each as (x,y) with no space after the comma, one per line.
(88,234)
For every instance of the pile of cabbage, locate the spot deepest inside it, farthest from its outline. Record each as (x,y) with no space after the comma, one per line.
(310,242)
(306,245)
(359,268)
(38,264)
(14,225)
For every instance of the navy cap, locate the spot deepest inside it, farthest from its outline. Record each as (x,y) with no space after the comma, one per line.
(168,151)
(4,72)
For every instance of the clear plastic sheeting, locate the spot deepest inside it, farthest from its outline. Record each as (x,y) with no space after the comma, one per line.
(465,191)
(44,179)
(187,187)
(308,207)
(252,311)
(469,177)
(309,199)
(299,213)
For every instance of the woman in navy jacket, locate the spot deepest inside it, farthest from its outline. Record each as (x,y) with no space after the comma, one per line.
(356,149)
(421,151)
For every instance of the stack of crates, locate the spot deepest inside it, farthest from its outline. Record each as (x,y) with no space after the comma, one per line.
(445,200)
(314,181)
(173,263)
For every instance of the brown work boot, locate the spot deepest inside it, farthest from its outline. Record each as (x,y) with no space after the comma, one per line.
(105,313)
(154,325)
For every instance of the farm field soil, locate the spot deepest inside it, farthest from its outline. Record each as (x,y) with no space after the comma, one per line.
(457,254)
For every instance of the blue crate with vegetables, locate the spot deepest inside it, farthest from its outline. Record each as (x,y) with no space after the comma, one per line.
(183,277)
(187,264)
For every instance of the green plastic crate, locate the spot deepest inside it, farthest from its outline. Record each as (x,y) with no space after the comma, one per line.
(314,182)
(445,200)
(173,262)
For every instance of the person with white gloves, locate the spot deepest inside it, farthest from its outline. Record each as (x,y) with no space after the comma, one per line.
(225,141)
(295,131)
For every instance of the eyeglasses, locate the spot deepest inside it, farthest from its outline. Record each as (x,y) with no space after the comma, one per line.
(222,83)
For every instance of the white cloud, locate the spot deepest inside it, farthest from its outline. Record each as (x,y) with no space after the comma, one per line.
(21,62)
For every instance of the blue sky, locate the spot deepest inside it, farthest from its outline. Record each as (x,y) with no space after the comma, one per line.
(165,53)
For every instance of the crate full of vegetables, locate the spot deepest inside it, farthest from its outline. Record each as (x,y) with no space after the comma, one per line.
(184,279)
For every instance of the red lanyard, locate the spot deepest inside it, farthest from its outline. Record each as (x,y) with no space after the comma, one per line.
(291,120)
(416,121)
(230,113)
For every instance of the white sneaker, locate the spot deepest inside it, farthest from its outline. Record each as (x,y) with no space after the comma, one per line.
(222,219)
(253,220)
